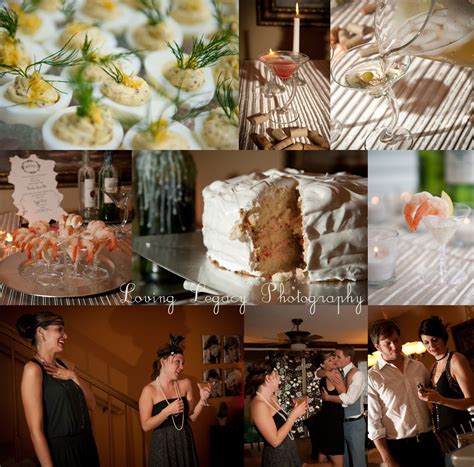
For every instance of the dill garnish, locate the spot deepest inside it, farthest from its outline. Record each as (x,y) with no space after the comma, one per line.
(62,58)
(113,71)
(224,95)
(152,10)
(84,94)
(91,55)
(69,10)
(203,55)
(9,21)
(29,6)
(223,23)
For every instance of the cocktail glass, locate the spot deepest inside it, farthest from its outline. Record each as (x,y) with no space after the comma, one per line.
(122,199)
(426,28)
(49,277)
(272,87)
(442,230)
(300,400)
(96,272)
(375,76)
(284,63)
(72,248)
(205,385)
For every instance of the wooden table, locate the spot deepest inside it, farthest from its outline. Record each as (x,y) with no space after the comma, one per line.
(311,101)
(9,296)
(417,251)
(434,99)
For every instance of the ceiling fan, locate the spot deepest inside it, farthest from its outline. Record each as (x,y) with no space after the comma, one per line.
(298,340)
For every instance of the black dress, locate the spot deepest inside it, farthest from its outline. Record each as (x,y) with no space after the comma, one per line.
(285,454)
(329,425)
(170,447)
(448,421)
(66,421)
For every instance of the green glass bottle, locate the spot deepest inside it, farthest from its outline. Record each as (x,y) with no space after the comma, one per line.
(108,190)
(165,186)
(431,171)
(459,173)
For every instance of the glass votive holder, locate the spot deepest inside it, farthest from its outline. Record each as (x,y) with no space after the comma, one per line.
(464,235)
(382,256)
(377,209)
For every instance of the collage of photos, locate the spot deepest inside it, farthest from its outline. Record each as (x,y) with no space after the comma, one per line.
(236,233)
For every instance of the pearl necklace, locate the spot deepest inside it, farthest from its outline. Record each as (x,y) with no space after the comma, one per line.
(279,410)
(167,401)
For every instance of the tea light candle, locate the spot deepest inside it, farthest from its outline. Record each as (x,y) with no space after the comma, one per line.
(382,255)
(377,213)
(465,232)
(296,30)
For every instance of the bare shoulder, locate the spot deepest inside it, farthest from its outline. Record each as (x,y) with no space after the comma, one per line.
(148,391)
(458,361)
(32,370)
(185,385)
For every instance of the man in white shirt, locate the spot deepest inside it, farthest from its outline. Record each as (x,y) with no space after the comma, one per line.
(399,422)
(352,401)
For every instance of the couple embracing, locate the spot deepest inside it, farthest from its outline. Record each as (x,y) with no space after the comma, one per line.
(338,431)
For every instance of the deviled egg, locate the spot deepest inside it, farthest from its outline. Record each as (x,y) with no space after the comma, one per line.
(54,9)
(69,130)
(93,71)
(196,17)
(228,69)
(215,130)
(74,34)
(160,134)
(32,100)
(34,24)
(153,30)
(113,15)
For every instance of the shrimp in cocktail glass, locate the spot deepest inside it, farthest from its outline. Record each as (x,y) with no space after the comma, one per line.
(48,250)
(74,248)
(101,236)
(441,217)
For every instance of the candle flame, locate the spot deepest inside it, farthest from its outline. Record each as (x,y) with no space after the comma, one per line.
(375,200)
(297,9)
(376,250)
(467,220)
(9,237)
(270,52)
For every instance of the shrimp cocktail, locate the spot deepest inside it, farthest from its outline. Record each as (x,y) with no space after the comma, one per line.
(441,217)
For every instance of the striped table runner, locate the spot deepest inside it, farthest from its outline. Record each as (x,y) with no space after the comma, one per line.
(434,99)
(311,101)
(8,296)
(415,252)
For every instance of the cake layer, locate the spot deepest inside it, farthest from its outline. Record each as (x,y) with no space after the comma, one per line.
(330,219)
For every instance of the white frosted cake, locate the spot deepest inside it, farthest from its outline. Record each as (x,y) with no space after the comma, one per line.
(264,224)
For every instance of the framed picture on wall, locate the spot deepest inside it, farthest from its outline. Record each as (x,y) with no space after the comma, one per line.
(211,349)
(214,376)
(281,12)
(233,382)
(463,336)
(232,349)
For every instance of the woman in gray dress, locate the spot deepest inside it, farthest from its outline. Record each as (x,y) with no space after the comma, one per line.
(271,421)
(166,407)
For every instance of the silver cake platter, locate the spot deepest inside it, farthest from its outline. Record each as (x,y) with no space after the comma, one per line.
(185,255)
(117,263)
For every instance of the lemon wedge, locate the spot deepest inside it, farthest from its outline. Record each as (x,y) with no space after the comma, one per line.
(448,199)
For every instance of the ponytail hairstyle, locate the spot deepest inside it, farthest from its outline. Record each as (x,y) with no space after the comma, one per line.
(173,347)
(27,324)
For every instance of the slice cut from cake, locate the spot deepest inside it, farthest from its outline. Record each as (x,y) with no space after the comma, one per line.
(276,222)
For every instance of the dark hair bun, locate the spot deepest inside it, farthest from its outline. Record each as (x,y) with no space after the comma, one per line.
(26,326)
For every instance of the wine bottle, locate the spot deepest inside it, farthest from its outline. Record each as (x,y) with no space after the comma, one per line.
(108,183)
(459,169)
(431,171)
(86,182)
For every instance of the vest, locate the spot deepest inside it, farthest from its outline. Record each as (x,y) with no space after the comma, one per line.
(354,409)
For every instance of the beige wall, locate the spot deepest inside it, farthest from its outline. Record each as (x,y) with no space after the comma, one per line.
(255,40)
(117,345)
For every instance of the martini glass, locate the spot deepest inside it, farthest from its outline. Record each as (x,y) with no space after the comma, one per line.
(95,271)
(205,385)
(375,76)
(285,64)
(442,231)
(49,277)
(122,200)
(272,87)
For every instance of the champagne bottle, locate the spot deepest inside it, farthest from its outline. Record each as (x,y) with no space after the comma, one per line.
(431,171)
(108,183)
(459,169)
(86,182)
